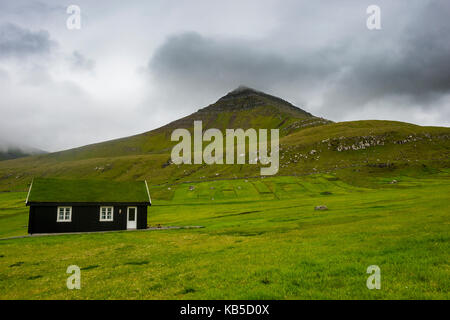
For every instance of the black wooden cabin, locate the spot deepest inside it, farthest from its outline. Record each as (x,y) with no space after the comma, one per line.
(60,205)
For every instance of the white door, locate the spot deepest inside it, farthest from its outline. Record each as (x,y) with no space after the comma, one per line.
(131,217)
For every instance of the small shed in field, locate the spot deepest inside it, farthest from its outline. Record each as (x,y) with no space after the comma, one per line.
(60,205)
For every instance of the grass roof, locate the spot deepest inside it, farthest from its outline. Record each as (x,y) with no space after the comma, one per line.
(62,190)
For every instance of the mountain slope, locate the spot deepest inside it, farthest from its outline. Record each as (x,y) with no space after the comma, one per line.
(356,151)
(241,108)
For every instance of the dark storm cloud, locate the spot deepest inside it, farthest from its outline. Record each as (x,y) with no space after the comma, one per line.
(21,7)
(409,57)
(194,59)
(415,63)
(16,41)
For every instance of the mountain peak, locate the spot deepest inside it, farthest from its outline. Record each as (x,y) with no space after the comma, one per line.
(242,91)
(244,97)
(243,88)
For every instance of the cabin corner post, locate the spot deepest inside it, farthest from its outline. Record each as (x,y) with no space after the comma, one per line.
(30,220)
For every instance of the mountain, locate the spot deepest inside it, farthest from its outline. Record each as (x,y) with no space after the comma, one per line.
(241,108)
(356,151)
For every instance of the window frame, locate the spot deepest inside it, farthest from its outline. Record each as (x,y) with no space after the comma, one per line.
(64,218)
(106,214)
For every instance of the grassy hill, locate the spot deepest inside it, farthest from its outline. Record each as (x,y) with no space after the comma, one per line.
(308,145)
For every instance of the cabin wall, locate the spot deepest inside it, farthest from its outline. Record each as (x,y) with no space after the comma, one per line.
(141,217)
(30,220)
(86,218)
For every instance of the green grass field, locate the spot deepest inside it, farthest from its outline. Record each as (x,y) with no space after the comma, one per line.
(262,240)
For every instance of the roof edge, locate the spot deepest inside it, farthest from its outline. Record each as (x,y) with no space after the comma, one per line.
(148,192)
(29,190)
(54,203)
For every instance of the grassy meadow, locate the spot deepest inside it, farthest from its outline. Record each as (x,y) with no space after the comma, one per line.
(262,239)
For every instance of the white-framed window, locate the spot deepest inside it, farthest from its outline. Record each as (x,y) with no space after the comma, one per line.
(64,214)
(106,213)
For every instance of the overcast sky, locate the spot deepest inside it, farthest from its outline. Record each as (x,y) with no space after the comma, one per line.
(136,65)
